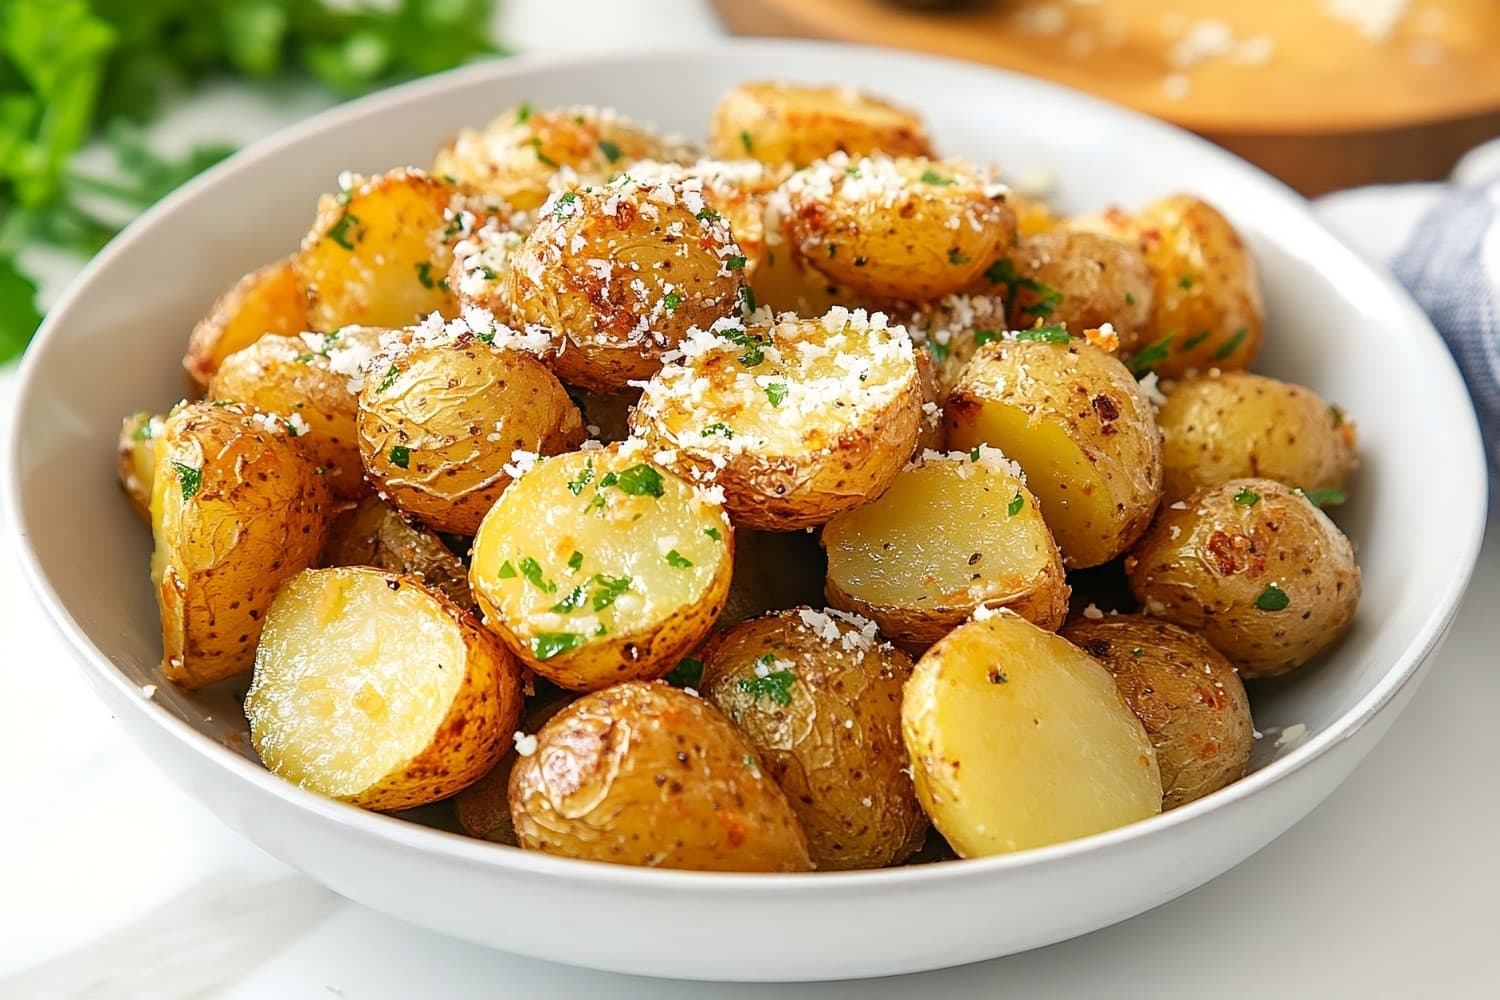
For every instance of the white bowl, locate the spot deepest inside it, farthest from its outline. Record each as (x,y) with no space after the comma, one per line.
(113,345)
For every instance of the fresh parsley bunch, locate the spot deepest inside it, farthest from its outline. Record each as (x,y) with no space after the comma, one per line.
(71,69)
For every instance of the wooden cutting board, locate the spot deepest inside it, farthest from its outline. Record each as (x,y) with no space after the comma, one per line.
(1323,93)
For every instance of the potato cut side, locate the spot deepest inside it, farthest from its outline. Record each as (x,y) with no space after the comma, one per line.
(1018,739)
(137,460)
(952,533)
(600,566)
(371,689)
(270,300)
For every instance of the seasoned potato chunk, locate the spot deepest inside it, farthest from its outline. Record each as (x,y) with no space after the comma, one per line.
(1235,425)
(137,465)
(645,774)
(269,300)
(1078,424)
(1185,693)
(480,275)
(796,421)
(737,190)
(599,566)
(820,698)
(1255,567)
(1018,739)
(305,380)
(372,689)
(949,330)
(910,228)
(236,508)
(442,418)
(373,533)
(952,533)
(618,275)
(525,153)
(797,124)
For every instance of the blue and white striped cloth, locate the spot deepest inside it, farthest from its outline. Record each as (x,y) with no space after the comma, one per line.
(1442,241)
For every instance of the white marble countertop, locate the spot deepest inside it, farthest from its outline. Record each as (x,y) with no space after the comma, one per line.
(115,884)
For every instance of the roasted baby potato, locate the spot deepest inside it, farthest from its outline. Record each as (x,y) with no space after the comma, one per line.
(797,124)
(236,508)
(442,418)
(1233,425)
(600,566)
(773,570)
(910,229)
(373,533)
(306,380)
(372,689)
(380,250)
(480,274)
(949,330)
(269,300)
(820,699)
(1255,567)
(1033,215)
(1081,280)
(483,809)
(1185,693)
(796,421)
(1206,311)
(618,275)
(737,190)
(525,153)
(645,774)
(1018,739)
(952,533)
(137,465)
(1077,422)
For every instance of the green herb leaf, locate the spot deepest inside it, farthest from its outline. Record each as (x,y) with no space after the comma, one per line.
(506,571)
(532,571)
(424,274)
(641,481)
(546,645)
(747,142)
(1186,281)
(714,533)
(1247,497)
(572,601)
(607,588)
(401,456)
(560,211)
(735,262)
(388,379)
(982,337)
(1331,497)
(584,477)
(1151,355)
(189,478)
(777,686)
(776,392)
(717,430)
(523,112)
(1137,651)
(677,560)
(930,176)
(1231,345)
(957,256)
(687,674)
(575,561)
(1273,598)
(1056,334)
(938,350)
(611,151)
(1195,340)
(1016,503)
(671,300)
(340,231)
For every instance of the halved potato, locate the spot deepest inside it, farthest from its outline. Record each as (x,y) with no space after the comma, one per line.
(371,689)
(600,566)
(796,421)
(236,508)
(1077,422)
(1018,739)
(795,123)
(819,696)
(953,532)
(269,300)
(373,533)
(137,460)
(645,774)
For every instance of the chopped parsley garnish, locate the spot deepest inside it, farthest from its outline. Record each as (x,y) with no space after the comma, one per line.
(938,350)
(677,560)
(506,571)
(189,478)
(1331,497)
(1002,272)
(747,299)
(576,484)
(974,453)
(1196,339)
(714,533)
(1186,281)
(640,481)
(1151,354)
(777,686)
(1016,503)
(424,274)
(735,262)
(776,392)
(558,211)
(536,145)
(305,359)
(532,571)
(747,142)
(1337,414)
(607,588)
(688,673)
(1273,598)
(1137,651)
(575,561)
(546,645)
(707,215)
(718,430)
(930,176)
(142,433)
(523,113)
(982,337)
(340,233)
(401,456)
(572,601)
(1231,345)
(1247,497)
(390,377)
(671,300)
(957,256)
(754,345)
(1129,299)
(610,150)
(1054,334)
(1048,299)
(483,336)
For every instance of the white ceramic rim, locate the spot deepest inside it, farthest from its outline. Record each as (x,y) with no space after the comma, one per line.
(1469,508)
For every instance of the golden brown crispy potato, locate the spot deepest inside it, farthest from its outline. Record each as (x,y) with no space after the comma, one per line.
(442,417)
(269,300)
(1018,739)
(737,190)
(525,153)
(305,380)
(1255,567)
(483,809)
(797,124)
(796,421)
(773,570)
(1235,425)
(480,275)
(954,532)
(618,275)
(600,566)
(1186,694)
(819,696)
(372,689)
(236,508)
(137,460)
(373,533)
(1078,424)
(1206,311)
(910,229)
(645,774)
(949,330)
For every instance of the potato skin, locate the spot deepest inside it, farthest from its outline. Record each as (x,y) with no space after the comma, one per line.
(1186,694)
(1223,567)
(373,533)
(137,460)
(236,509)
(797,124)
(268,300)
(1236,425)
(644,774)
(483,809)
